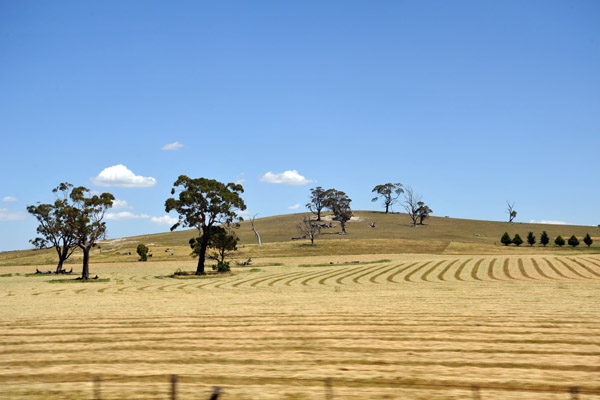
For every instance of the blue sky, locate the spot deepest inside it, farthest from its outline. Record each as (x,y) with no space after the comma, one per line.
(470,103)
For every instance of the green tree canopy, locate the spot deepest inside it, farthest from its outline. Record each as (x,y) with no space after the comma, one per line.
(531,238)
(339,204)
(142,251)
(588,240)
(517,240)
(573,241)
(202,204)
(559,241)
(388,193)
(544,238)
(505,239)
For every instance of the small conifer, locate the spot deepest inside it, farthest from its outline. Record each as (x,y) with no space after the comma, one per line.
(505,239)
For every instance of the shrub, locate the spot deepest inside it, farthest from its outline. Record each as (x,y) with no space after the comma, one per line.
(559,241)
(142,251)
(505,239)
(223,266)
(588,240)
(517,240)
(573,241)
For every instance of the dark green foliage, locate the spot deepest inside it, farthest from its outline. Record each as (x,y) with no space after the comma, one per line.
(142,251)
(588,240)
(339,204)
(316,204)
(203,204)
(530,238)
(505,239)
(544,239)
(517,240)
(54,226)
(389,193)
(423,211)
(222,266)
(573,241)
(559,241)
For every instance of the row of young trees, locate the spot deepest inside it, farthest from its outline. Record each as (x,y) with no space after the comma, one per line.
(544,240)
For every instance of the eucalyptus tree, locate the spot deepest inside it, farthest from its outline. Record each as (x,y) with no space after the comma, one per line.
(54,227)
(316,203)
(202,204)
(86,221)
(510,210)
(338,203)
(423,212)
(388,193)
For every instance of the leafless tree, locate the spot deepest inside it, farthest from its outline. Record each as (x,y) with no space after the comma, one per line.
(411,204)
(510,210)
(309,229)
(255,231)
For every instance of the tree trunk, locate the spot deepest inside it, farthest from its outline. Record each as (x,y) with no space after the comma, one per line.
(59,266)
(202,255)
(343,223)
(318,215)
(387,206)
(85,273)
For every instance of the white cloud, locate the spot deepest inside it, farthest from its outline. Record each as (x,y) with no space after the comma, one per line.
(164,220)
(240,179)
(549,222)
(295,206)
(120,175)
(7,215)
(172,146)
(124,215)
(291,177)
(121,205)
(9,199)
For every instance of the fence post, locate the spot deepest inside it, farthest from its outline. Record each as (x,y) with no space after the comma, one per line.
(476,392)
(574,390)
(328,389)
(97,394)
(173,387)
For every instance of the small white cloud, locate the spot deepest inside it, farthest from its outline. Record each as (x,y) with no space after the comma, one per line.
(291,177)
(172,146)
(121,205)
(549,222)
(295,206)
(7,215)
(123,215)
(9,199)
(164,220)
(240,179)
(120,175)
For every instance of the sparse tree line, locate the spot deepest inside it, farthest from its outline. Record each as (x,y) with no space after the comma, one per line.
(544,240)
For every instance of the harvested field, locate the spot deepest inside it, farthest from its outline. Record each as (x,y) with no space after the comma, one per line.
(388,327)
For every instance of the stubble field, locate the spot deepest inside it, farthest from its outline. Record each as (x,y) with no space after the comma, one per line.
(387,327)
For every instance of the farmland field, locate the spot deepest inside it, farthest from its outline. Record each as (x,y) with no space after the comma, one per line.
(385,327)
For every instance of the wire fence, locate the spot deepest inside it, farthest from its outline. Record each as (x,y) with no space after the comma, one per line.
(173,384)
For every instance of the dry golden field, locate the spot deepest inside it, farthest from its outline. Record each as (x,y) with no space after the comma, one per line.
(390,327)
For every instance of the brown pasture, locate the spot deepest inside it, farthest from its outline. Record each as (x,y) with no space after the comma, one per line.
(392,326)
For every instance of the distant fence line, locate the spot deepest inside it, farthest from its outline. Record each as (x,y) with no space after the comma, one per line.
(477,390)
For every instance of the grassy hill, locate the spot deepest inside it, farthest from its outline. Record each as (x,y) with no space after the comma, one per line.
(393,233)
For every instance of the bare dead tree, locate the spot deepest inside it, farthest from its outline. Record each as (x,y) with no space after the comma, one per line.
(411,204)
(309,229)
(255,231)
(510,210)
